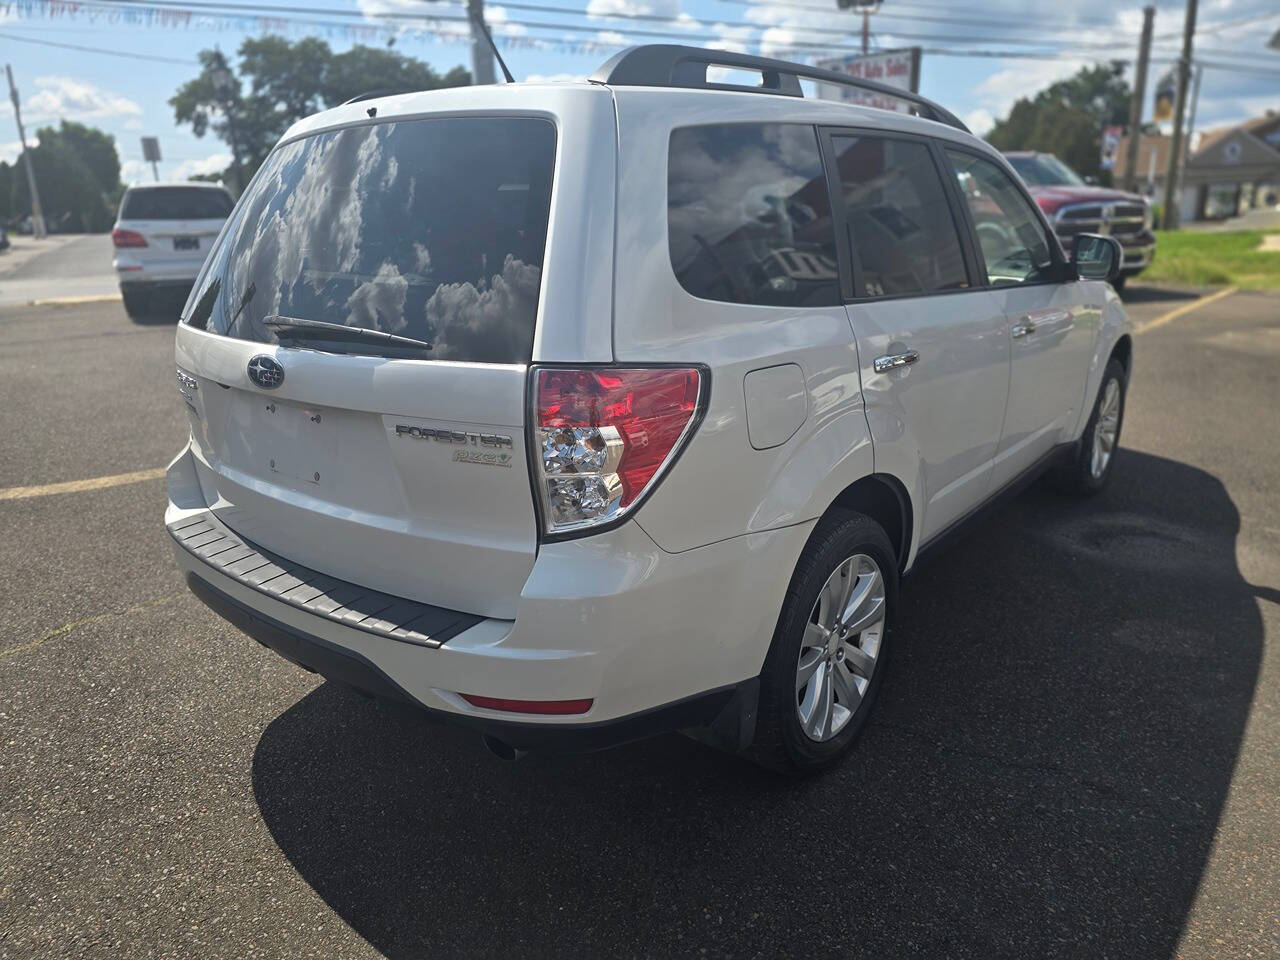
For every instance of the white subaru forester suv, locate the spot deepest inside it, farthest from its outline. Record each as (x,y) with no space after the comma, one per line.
(576,413)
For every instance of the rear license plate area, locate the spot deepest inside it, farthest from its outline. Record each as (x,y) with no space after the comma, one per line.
(186,243)
(294,441)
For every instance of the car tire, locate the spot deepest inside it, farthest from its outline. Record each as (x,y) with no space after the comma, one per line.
(1091,465)
(137,303)
(847,577)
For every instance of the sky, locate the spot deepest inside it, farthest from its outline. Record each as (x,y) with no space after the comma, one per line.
(128,96)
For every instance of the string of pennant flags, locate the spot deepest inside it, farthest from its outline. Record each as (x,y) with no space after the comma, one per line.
(173,17)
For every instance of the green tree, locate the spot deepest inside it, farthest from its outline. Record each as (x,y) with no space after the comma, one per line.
(6,192)
(78,172)
(97,149)
(279,82)
(1066,118)
(71,197)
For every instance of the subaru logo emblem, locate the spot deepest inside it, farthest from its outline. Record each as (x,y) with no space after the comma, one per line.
(266,372)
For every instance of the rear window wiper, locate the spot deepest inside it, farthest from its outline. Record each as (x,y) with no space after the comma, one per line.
(297,328)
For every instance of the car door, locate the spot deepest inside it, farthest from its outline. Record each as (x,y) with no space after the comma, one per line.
(1050,326)
(932,349)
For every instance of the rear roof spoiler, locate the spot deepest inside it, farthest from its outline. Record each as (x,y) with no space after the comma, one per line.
(672,65)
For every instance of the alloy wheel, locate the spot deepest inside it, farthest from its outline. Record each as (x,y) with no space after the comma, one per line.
(840,647)
(1107,430)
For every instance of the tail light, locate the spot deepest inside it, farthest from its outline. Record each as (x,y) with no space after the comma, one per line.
(546,707)
(127,238)
(605,435)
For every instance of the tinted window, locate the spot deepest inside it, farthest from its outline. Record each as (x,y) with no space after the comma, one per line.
(1043,170)
(904,238)
(176,203)
(1013,241)
(430,229)
(748,215)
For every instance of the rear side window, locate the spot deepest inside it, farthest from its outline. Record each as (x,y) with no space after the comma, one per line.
(904,237)
(176,203)
(428,229)
(749,216)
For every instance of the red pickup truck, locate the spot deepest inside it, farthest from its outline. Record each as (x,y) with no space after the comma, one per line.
(1074,206)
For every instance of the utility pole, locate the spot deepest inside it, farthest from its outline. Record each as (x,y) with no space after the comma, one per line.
(1191,123)
(1139,98)
(481,55)
(37,215)
(1179,110)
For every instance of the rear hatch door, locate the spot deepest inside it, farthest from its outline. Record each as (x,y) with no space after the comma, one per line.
(397,464)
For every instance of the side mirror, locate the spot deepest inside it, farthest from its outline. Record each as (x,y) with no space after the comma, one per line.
(1096,257)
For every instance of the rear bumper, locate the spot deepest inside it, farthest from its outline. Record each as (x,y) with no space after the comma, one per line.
(657,641)
(136,270)
(728,714)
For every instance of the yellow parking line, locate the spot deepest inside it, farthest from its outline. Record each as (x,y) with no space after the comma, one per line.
(1187,308)
(71,301)
(77,624)
(79,486)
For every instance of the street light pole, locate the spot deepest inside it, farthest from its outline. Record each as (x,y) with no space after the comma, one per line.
(1139,95)
(37,215)
(1179,111)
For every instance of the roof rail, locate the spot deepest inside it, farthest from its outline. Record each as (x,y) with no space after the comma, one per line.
(672,65)
(375,94)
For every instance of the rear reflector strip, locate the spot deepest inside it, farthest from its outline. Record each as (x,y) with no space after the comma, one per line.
(560,707)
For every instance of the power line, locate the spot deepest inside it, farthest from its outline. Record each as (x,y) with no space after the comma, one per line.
(113,53)
(882,15)
(195,6)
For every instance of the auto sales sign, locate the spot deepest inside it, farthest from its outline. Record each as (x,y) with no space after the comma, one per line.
(893,68)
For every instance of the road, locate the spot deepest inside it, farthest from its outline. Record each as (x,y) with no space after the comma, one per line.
(58,266)
(1074,752)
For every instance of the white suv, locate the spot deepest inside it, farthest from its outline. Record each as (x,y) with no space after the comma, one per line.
(162,235)
(579,412)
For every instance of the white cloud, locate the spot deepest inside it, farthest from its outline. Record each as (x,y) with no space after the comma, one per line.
(11,151)
(1024,78)
(612,37)
(60,97)
(660,8)
(497,19)
(135,171)
(979,121)
(214,163)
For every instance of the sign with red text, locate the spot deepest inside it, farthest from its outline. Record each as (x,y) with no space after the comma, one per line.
(893,68)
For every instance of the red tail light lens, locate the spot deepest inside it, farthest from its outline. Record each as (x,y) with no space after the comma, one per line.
(604,434)
(545,707)
(127,238)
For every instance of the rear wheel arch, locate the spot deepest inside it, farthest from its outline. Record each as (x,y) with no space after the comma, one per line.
(884,499)
(1123,351)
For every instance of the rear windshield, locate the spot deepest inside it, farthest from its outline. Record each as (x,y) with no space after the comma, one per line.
(176,203)
(428,229)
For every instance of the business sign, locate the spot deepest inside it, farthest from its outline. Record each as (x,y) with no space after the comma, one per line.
(1166,90)
(1110,145)
(893,68)
(151,149)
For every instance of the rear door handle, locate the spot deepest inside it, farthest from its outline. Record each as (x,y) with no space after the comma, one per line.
(887,363)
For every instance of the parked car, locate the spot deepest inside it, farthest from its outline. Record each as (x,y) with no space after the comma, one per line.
(1075,206)
(575,413)
(162,235)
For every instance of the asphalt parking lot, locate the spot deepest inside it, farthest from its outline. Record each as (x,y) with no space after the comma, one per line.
(1074,753)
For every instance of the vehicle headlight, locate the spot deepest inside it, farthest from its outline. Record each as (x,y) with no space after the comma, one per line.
(1148,215)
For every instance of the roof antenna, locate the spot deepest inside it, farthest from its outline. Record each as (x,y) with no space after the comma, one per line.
(477,21)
